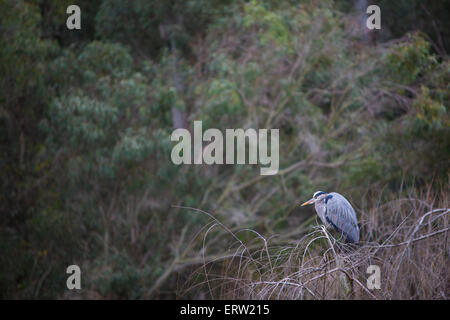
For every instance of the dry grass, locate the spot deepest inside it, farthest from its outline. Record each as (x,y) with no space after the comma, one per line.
(407,238)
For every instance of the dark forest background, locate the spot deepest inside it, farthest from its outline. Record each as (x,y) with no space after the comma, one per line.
(86,117)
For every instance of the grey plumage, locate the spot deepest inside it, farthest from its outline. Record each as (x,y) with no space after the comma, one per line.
(336,212)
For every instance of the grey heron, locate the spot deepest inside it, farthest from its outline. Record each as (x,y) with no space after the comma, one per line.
(336,212)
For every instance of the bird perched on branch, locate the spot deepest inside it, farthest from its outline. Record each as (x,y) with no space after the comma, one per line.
(336,212)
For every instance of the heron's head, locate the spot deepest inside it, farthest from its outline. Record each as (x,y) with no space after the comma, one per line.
(317,196)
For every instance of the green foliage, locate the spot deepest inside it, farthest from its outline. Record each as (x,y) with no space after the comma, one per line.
(430,114)
(406,61)
(148,26)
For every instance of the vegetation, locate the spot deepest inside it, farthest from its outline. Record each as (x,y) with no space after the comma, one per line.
(86,176)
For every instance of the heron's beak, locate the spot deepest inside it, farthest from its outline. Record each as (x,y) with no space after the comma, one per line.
(311,201)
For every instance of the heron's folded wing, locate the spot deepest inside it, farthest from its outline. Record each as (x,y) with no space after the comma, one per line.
(340,214)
